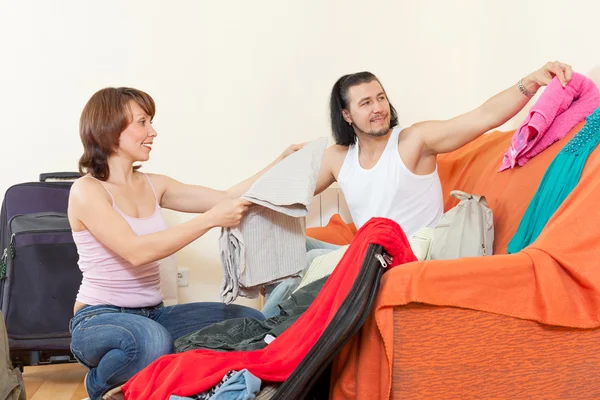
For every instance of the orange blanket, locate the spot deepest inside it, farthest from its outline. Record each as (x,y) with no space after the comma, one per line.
(554,281)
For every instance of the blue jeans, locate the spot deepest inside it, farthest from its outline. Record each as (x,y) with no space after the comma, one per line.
(115,343)
(279,292)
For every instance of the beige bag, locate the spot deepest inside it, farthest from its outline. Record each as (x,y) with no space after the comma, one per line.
(12,386)
(466,230)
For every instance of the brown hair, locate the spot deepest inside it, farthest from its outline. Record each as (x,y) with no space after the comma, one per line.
(103,118)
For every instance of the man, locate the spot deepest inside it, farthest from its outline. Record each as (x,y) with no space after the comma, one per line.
(386,171)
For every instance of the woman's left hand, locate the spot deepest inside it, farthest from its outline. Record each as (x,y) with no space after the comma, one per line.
(544,75)
(291,149)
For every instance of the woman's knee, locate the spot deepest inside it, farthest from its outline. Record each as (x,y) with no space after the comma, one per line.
(224,312)
(115,353)
(183,319)
(240,311)
(130,339)
(153,343)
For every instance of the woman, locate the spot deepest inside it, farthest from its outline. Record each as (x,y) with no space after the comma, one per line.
(120,325)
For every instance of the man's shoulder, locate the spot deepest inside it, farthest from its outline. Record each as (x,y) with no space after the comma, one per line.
(411,146)
(336,153)
(337,149)
(412,130)
(412,134)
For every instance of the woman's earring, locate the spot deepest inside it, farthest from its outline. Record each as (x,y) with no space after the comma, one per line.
(349,123)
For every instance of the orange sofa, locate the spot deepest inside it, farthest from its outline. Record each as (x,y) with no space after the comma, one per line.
(519,326)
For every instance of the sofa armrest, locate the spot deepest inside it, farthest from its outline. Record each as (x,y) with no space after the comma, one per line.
(447,352)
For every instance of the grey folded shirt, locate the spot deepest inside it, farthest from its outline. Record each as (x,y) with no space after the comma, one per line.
(269,244)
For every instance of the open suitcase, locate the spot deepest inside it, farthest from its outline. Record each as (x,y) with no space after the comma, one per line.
(310,380)
(38,270)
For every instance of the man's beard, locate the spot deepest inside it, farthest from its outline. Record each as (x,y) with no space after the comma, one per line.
(377,133)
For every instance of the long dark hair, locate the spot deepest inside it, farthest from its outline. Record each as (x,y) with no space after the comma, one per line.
(343,133)
(104,117)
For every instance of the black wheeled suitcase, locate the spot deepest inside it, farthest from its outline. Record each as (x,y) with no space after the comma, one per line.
(39,275)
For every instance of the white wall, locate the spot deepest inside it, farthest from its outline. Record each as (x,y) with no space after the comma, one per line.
(237,81)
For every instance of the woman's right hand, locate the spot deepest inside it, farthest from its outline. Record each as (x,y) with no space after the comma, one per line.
(228,212)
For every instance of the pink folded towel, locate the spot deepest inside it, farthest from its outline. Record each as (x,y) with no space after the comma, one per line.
(556,112)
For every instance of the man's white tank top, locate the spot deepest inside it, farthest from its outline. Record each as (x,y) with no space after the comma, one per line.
(390,190)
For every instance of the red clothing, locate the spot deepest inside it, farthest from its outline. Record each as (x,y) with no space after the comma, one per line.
(192,372)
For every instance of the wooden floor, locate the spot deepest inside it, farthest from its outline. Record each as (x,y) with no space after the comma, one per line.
(55,382)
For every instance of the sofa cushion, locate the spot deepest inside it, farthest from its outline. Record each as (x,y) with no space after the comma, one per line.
(335,232)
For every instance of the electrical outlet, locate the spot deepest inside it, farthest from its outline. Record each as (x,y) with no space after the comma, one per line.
(182,277)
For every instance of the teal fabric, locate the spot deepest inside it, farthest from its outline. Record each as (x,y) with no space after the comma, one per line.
(560,179)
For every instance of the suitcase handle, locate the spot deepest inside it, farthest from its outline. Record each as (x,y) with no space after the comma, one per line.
(59,175)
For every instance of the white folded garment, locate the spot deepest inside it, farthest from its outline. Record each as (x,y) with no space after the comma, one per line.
(270,244)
